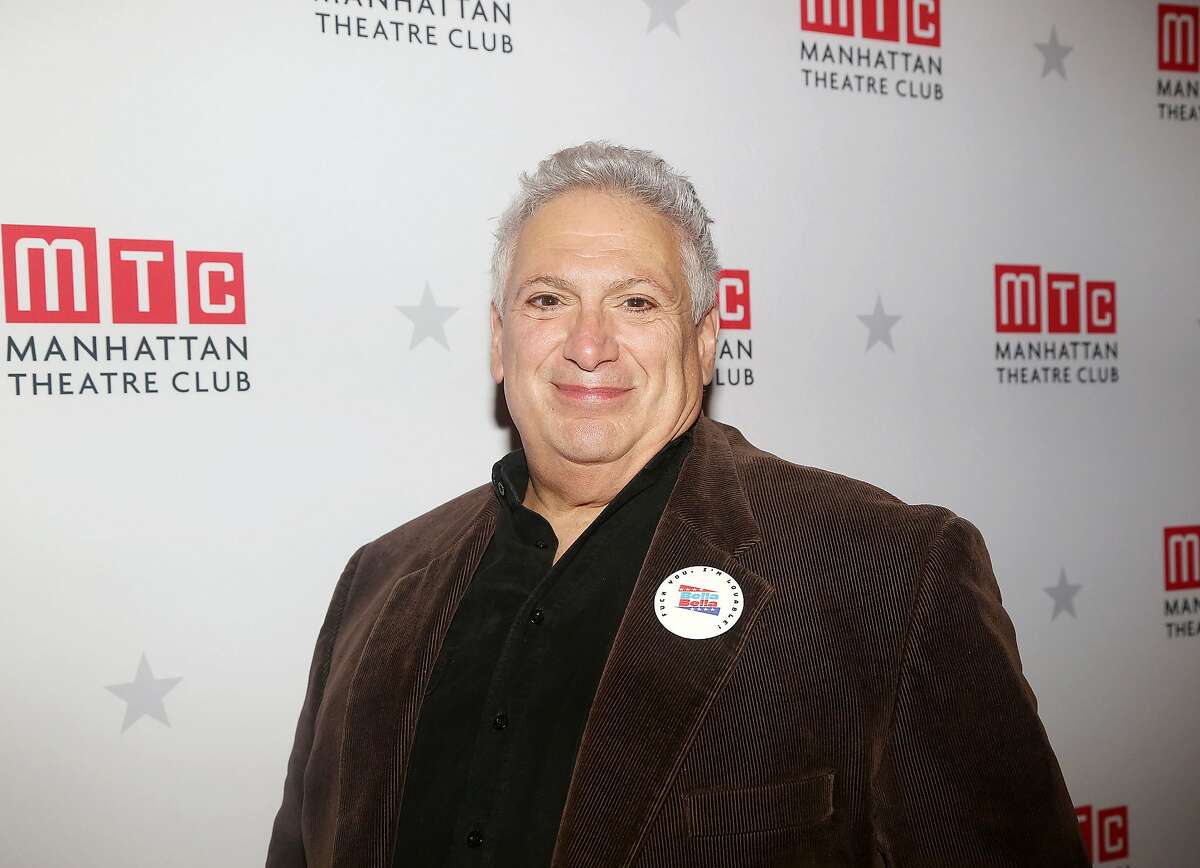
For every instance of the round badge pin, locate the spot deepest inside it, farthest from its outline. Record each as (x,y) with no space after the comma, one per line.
(698,602)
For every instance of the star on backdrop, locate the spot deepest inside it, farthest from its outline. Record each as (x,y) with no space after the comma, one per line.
(1053,54)
(144,695)
(879,325)
(663,12)
(428,319)
(1063,595)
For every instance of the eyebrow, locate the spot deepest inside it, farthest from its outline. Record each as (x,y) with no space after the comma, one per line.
(566,285)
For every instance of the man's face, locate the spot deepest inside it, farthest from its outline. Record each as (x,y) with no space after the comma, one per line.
(597,349)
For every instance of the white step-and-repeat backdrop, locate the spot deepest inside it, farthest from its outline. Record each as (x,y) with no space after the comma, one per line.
(245,291)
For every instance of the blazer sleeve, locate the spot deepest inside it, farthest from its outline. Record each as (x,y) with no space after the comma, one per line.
(286,848)
(966,775)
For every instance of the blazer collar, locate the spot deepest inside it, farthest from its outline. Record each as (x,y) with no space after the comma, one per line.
(386,692)
(709,496)
(657,687)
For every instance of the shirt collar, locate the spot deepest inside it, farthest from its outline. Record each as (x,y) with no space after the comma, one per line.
(510,475)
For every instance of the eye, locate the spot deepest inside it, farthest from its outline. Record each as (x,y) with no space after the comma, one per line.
(544,300)
(638,303)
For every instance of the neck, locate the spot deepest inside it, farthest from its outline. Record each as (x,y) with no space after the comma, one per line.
(570,495)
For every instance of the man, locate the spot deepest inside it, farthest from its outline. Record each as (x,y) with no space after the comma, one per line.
(647,643)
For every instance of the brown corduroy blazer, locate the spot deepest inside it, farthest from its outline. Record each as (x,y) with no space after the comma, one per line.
(868,708)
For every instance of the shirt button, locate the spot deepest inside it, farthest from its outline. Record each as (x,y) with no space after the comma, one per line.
(537,616)
(500,721)
(540,544)
(474,839)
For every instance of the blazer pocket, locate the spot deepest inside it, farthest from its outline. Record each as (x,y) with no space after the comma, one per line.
(736,810)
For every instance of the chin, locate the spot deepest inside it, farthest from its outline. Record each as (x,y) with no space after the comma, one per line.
(588,440)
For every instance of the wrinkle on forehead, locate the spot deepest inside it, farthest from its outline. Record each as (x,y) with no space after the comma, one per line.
(592,226)
(618,285)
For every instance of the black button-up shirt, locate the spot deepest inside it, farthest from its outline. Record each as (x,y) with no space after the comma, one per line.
(511,690)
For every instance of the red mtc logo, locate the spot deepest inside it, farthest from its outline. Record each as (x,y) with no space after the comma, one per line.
(1181,557)
(880,19)
(1178,35)
(733,298)
(1108,838)
(1019,302)
(50,276)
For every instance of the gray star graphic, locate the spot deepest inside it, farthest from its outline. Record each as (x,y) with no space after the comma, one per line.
(879,325)
(428,319)
(1053,54)
(663,12)
(1063,595)
(144,695)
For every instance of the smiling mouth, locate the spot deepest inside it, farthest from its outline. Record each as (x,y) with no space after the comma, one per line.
(590,394)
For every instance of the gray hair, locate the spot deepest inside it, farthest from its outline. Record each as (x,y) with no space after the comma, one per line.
(640,175)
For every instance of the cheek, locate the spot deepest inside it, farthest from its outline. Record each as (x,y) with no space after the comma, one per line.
(528,346)
(660,351)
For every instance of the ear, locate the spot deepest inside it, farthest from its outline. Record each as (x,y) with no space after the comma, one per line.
(706,342)
(497,361)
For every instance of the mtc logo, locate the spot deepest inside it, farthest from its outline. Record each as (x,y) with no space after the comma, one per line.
(1178,35)
(733,298)
(881,19)
(1107,838)
(50,276)
(1067,310)
(1181,557)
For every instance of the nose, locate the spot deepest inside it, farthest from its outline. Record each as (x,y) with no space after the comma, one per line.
(590,341)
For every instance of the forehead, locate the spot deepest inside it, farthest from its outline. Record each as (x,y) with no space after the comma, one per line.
(583,229)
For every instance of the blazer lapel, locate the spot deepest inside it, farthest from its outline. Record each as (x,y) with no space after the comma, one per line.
(656,686)
(386,693)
